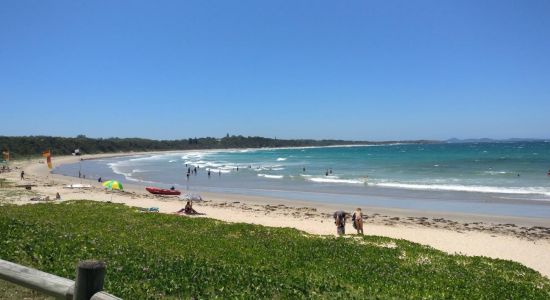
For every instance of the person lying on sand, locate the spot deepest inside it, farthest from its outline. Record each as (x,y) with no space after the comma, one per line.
(188,209)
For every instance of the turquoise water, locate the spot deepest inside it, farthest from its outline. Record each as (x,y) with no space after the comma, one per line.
(499,173)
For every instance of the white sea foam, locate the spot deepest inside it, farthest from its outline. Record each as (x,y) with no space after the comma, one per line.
(268,168)
(467,188)
(281,159)
(496,172)
(116,168)
(212,164)
(334,180)
(271,176)
(193,155)
(220,170)
(147,158)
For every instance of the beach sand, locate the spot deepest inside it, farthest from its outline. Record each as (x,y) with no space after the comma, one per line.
(524,240)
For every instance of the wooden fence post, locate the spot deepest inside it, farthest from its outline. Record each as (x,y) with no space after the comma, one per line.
(90,275)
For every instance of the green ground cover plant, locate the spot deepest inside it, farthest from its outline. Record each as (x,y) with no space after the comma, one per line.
(11,291)
(151,256)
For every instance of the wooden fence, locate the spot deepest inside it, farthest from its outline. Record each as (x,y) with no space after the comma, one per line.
(88,285)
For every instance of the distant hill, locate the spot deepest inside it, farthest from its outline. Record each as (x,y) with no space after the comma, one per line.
(488,140)
(24,146)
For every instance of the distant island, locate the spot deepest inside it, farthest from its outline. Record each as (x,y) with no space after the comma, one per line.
(25,146)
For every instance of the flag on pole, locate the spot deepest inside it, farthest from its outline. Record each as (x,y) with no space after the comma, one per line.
(6,155)
(48,155)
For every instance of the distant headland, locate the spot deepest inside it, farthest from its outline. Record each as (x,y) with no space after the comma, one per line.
(24,146)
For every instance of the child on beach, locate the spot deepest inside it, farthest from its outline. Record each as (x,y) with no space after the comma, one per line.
(357,220)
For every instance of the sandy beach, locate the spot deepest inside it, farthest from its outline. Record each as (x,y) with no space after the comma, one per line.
(524,240)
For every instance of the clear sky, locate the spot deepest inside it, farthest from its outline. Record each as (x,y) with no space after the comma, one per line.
(364,70)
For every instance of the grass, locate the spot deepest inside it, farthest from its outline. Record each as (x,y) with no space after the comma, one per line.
(9,290)
(151,256)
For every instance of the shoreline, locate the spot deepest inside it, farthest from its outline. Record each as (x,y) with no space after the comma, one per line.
(521,239)
(435,202)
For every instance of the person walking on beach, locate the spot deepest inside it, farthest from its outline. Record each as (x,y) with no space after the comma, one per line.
(22,175)
(340,222)
(357,220)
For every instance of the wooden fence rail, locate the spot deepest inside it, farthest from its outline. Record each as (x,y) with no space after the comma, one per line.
(88,285)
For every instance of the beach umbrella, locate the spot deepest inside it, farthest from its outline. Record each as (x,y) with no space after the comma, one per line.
(191,197)
(113,185)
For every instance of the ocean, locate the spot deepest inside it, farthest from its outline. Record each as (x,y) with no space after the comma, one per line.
(480,178)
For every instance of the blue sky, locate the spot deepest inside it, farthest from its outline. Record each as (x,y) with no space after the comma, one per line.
(364,70)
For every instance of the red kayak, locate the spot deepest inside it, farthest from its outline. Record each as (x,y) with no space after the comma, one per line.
(157,191)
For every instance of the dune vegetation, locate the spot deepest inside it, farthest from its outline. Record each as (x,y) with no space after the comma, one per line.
(151,256)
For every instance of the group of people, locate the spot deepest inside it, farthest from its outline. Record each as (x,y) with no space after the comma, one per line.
(5,169)
(356,218)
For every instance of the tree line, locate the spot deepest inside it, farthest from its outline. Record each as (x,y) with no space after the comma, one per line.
(25,146)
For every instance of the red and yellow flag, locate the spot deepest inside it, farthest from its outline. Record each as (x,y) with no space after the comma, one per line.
(6,155)
(48,155)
